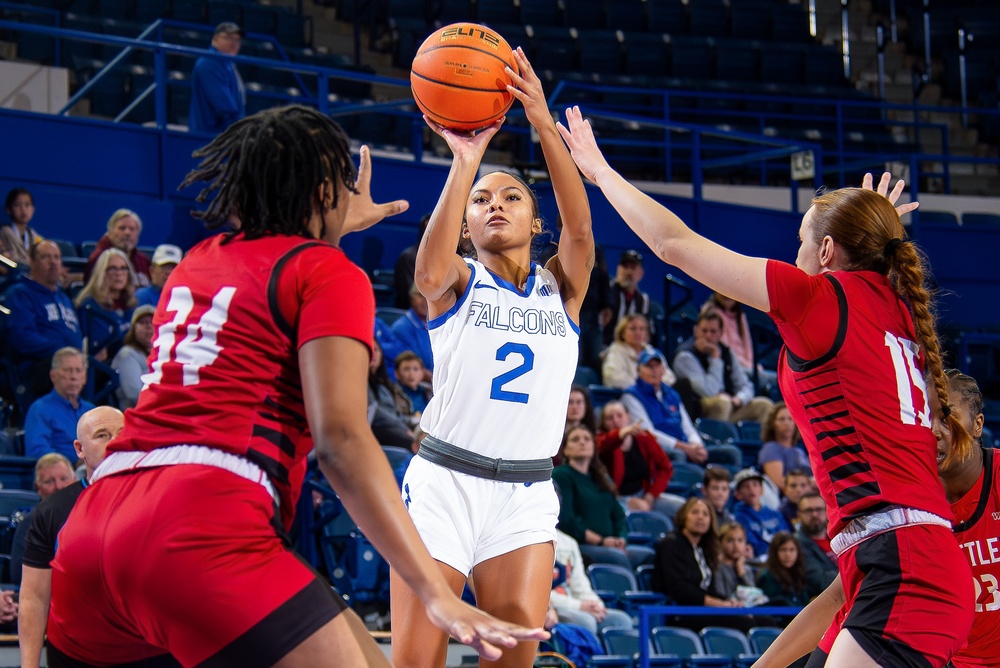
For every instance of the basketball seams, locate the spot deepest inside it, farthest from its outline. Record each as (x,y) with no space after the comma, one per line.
(431,49)
(449,84)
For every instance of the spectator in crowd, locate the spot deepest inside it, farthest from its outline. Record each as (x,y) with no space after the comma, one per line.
(723,391)
(621,359)
(819,558)
(131,361)
(783,578)
(406,263)
(658,409)
(218,97)
(387,406)
(761,522)
(590,511)
(411,331)
(53,472)
(124,228)
(95,428)
(17,237)
(106,302)
(732,569)
(626,297)
(638,466)
(391,347)
(797,483)
(580,409)
(781,451)
(50,425)
(165,258)
(715,487)
(410,379)
(43,319)
(573,598)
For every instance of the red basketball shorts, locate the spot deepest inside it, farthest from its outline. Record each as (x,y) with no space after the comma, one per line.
(909,597)
(181,559)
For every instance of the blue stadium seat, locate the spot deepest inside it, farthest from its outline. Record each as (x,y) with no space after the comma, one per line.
(938,217)
(737,60)
(690,57)
(981,220)
(601,394)
(625,15)
(709,18)
(647,527)
(686,477)
(493,12)
(761,637)
(585,14)
(586,376)
(789,23)
(748,430)
(644,576)
(686,644)
(618,587)
(454,11)
(17,473)
(730,642)
(555,49)
(645,53)
(625,642)
(717,431)
(389,314)
(600,52)
(749,20)
(540,12)
(669,16)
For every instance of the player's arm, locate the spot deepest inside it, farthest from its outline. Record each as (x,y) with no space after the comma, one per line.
(440,273)
(353,462)
(804,632)
(575,258)
(737,276)
(36,592)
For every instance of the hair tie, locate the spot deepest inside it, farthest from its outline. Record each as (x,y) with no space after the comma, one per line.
(890,248)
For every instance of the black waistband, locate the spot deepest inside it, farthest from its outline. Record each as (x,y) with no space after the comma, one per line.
(458,459)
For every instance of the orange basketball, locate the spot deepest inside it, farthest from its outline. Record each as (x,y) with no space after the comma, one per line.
(458,77)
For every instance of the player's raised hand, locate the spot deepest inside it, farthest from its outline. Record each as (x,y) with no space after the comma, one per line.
(482,632)
(893,195)
(579,137)
(466,143)
(528,89)
(362,212)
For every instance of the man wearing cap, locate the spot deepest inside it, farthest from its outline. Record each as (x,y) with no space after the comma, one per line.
(165,258)
(760,521)
(626,297)
(218,97)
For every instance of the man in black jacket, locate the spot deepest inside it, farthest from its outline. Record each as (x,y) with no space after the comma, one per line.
(821,568)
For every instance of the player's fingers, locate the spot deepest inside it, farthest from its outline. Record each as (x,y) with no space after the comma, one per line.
(393,208)
(866,182)
(897,191)
(904,209)
(522,62)
(364,169)
(883,183)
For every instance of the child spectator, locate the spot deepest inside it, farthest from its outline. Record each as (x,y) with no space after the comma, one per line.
(410,378)
(732,569)
(716,490)
(797,483)
(761,522)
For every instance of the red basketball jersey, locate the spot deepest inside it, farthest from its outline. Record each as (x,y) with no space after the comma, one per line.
(224,367)
(978,534)
(859,398)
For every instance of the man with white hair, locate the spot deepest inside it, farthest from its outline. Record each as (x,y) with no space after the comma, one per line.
(124,228)
(51,419)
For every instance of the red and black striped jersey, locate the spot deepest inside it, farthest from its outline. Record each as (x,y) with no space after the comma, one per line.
(852,375)
(224,369)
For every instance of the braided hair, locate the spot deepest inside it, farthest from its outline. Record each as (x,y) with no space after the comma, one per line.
(867,227)
(267,170)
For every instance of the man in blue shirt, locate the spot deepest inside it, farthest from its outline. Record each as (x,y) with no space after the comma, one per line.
(760,521)
(218,97)
(43,318)
(165,258)
(51,422)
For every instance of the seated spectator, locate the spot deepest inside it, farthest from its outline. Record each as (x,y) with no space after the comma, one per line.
(406,263)
(387,406)
(131,362)
(590,511)
(95,429)
(165,258)
(410,379)
(43,319)
(573,597)
(736,334)
(124,228)
(411,330)
(732,569)
(716,379)
(106,302)
(658,409)
(51,422)
(626,297)
(637,464)
(621,359)
(53,472)
(781,451)
(761,522)
(716,490)
(797,483)
(580,409)
(17,237)
(783,578)
(819,558)
(391,347)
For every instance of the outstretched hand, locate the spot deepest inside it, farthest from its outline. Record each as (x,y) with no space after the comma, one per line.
(480,631)
(528,89)
(362,212)
(893,196)
(579,137)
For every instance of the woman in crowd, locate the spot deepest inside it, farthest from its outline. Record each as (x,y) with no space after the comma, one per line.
(621,359)
(580,409)
(387,405)
(105,304)
(131,360)
(638,466)
(783,577)
(781,452)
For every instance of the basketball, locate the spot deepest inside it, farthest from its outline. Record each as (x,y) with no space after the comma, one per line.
(458,77)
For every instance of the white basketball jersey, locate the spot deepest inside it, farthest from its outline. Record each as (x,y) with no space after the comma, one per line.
(504,362)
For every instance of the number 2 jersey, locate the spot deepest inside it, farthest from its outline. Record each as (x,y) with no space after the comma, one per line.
(504,361)
(978,534)
(224,367)
(851,374)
